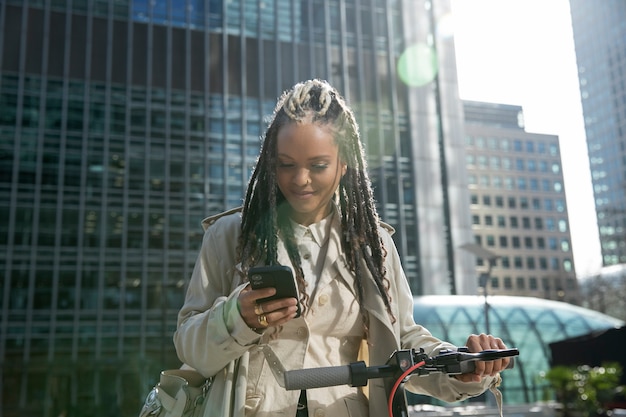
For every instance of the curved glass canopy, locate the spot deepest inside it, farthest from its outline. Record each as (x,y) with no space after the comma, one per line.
(529,324)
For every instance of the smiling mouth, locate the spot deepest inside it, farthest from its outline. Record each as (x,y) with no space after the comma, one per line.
(303,194)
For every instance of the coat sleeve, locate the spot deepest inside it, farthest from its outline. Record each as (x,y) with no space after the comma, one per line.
(413,335)
(210,331)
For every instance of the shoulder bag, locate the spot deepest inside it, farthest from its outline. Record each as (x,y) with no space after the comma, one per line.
(179,393)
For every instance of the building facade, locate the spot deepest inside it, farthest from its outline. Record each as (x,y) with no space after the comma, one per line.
(600,42)
(518,205)
(123,123)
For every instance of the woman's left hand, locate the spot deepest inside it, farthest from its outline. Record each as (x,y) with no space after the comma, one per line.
(478,343)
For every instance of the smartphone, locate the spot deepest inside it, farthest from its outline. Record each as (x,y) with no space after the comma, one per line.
(277,276)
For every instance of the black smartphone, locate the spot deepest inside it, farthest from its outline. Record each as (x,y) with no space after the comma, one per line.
(277,276)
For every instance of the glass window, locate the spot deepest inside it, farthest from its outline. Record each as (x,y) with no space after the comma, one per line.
(512,202)
(534,184)
(541,147)
(508,283)
(523,202)
(536,204)
(554,149)
(552,243)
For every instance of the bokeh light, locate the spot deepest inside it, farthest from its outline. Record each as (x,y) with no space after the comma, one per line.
(418,65)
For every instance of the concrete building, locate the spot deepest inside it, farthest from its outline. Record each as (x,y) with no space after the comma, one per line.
(518,205)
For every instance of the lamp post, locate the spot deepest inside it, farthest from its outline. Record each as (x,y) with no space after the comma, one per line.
(484,278)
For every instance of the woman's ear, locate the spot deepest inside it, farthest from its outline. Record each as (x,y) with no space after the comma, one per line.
(344,169)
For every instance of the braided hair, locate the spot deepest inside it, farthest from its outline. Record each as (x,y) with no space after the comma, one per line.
(264,214)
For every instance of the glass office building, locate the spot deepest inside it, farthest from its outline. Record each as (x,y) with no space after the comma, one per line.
(600,42)
(123,123)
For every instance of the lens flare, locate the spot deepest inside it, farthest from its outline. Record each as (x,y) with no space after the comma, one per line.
(418,65)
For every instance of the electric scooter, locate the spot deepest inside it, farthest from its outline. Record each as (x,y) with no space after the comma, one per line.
(401,365)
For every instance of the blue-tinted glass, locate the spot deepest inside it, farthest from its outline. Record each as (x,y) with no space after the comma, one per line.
(529,324)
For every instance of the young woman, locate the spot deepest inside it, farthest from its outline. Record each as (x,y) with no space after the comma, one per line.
(309,206)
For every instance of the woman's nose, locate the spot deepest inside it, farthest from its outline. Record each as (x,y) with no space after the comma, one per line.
(302,177)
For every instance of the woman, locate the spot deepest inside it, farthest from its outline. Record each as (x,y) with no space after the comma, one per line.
(308,205)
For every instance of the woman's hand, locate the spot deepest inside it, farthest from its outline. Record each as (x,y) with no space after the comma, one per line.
(259,316)
(478,343)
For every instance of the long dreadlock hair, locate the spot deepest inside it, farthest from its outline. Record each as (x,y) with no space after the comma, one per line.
(265,207)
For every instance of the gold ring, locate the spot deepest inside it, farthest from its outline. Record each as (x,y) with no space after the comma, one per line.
(258,310)
(263,320)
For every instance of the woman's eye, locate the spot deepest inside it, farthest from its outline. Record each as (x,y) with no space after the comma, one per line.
(284,165)
(320,166)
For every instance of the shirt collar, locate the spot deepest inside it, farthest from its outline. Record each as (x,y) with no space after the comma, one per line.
(319,231)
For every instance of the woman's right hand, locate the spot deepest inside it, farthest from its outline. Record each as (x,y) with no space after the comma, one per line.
(259,316)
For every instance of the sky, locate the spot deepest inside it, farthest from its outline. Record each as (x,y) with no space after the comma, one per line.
(521,52)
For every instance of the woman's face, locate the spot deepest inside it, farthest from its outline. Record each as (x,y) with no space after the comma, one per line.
(308,170)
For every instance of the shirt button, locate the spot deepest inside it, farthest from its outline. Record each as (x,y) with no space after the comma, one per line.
(323,299)
(302,332)
(307,256)
(319,413)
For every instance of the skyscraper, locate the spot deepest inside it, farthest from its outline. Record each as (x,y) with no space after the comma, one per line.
(600,42)
(519,210)
(123,123)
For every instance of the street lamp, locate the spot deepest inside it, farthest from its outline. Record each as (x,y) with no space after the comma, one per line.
(484,278)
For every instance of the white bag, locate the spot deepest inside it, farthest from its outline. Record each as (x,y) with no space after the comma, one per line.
(179,393)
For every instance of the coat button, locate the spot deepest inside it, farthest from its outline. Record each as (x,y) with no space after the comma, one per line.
(323,299)
(319,413)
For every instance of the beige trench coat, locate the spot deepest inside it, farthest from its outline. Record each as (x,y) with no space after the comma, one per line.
(211,341)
